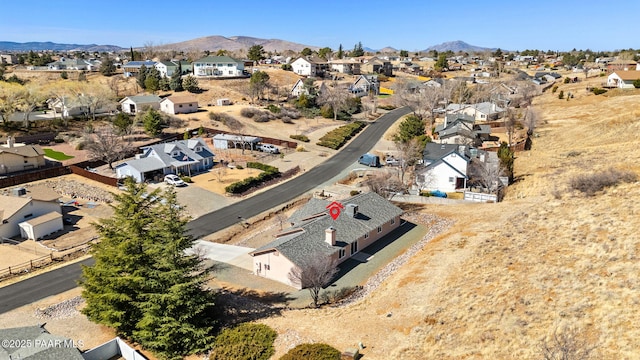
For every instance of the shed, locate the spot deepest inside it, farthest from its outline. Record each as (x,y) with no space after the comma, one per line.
(226,141)
(223,102)
(41,226)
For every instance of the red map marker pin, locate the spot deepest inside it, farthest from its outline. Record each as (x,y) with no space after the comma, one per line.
(334,209)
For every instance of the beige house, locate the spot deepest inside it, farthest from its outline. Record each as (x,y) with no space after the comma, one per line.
(139,103)
(26,204)
(179,105)
(364,219)
(19,157)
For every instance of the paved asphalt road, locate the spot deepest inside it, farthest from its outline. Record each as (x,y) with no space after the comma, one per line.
(65,278)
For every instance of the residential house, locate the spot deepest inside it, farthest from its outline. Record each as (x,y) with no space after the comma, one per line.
(65,107)
(36,343)
(623,65)
(139,103)
(26,205)
(299,89)
(444,167)
(74,64)
(167,68)
(20,157)
(377,66)
(133,67)
(310,66)
(176,104)
(218,66)
(623,79)
(178,157)
(461,129)
(365,84)
(8,59)
(364,219)
(345,66)
(484,111)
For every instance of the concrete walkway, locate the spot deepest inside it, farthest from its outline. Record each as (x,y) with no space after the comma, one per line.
(229,254)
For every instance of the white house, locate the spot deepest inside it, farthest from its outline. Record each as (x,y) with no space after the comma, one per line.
(444,167)
(218,66)
(309,66)
(364,84)
(167,68)
(26,204)
(183,156)
(623,79)
(345,66)
(133,67)
(139,103)
(483,111)
(179,104)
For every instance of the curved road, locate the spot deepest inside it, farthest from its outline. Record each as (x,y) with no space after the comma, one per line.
(65,278)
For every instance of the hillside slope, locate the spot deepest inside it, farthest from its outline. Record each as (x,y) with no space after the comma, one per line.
(507,275)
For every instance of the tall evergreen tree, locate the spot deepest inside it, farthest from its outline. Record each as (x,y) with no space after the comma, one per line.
(142,76)
(176,79)
(340,53)
(143,284)
(507,158)
(133,56)
(152,122)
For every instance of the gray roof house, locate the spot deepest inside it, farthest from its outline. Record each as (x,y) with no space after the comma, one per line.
(36,343)
(483,111)
(218,66)
(461,129)
(363,219)
(183,156)
(444,167)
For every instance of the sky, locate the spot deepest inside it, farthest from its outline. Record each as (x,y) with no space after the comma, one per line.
(405,25)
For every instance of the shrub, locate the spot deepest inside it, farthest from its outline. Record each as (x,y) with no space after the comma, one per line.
(262,118)
(335,138)
(80,146)
(186,179)
(554,89)
(561,95)
(261,166)
(64,75)
(244,342)
(287,67)
(326,111)
(636,83)
(249,112)
(598,91)
(287,120)
(274,109)
(316,351)
(354,192)
(300,148)
(239,167)
(387,107)
(58,140)
(590,184)
(302,138)
(567,80)
(269,172)
(292,113)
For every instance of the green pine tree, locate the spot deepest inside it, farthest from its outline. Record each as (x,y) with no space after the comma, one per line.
(340,53)
(176,79)
(142,76)
(410,128)
(507,158)
(143,284)
(152,122)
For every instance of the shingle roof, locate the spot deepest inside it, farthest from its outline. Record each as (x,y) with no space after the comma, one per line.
(184,99)
(163,151)
(44,218)
(433,151)
(26,150)
(9,205)
(142,99)
(43,345)
(628,75)
(309,241)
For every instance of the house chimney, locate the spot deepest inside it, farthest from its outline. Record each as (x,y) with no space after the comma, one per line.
(10,141)
(352,210)
(330,236)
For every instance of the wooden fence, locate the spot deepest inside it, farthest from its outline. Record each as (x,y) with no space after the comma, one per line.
(43,261)
(40,174)
(94,176)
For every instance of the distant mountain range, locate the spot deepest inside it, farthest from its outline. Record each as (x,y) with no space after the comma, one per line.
(456,46)
(40,46)
(217,42)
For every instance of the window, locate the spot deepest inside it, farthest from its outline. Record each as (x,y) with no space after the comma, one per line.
(342,253)
(28,216)
(267,267)
(379,229)
(354,247)
(393,221)
(230,65)
(180,105)
(366,236)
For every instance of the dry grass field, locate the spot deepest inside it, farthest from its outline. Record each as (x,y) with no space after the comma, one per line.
(507,275)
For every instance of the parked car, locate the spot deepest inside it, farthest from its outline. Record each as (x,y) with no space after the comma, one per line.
(438,193)
(268,148)
(174,180)
(369,160)
(391,161)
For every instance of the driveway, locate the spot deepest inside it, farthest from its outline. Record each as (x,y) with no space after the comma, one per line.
(229,254)
(198,201)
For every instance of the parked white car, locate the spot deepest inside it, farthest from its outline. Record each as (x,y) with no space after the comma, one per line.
(269,148)
(174,180)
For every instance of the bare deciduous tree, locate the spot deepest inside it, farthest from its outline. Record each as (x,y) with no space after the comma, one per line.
(314,274)
(384,184)
(567,344)
(409,153)
(511,118)
(105,144)
(220,172)
(281,219)
(335,96)
(486,174)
